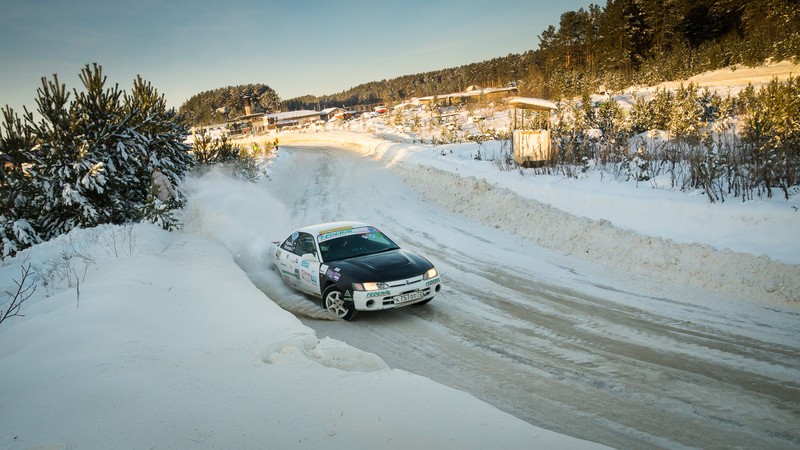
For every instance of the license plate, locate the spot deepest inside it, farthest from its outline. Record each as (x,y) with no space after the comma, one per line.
(408,297)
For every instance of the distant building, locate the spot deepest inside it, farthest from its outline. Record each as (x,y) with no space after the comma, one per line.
(471,94)
(330,113)
(290,118)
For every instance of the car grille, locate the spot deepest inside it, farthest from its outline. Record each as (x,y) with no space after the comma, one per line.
(399,283)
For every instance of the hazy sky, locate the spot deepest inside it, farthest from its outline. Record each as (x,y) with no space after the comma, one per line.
(296,47)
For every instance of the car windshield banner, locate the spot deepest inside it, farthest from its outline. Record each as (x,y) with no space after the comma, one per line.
(330,234)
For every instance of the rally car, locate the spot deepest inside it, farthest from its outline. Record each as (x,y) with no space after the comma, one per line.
(354,267)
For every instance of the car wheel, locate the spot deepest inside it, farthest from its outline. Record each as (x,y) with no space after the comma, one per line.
(333,301)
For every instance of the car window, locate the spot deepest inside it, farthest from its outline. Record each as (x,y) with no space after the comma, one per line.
(291,242)
(352,245)
(305,245)
(300,244)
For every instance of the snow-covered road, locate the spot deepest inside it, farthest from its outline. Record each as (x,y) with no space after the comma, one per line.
(616,358)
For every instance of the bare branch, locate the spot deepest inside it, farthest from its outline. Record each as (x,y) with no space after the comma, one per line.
(25,289)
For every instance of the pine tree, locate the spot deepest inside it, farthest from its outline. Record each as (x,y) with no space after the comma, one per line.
(161,132)
(108,161)
(55,172)
(17,230)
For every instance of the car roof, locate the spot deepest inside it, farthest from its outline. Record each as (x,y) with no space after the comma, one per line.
(322,228)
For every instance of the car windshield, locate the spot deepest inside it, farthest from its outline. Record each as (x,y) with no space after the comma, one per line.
(352,242)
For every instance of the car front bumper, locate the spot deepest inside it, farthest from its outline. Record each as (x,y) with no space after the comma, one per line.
(400,293)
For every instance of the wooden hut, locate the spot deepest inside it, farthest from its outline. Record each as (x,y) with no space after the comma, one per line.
(530,140)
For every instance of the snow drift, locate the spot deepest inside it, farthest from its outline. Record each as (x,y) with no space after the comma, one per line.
(456,187)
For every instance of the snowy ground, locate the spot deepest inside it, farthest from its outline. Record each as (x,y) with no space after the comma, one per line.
(138,338)
(635,317)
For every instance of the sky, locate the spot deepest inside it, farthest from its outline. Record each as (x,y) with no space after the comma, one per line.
(300,47)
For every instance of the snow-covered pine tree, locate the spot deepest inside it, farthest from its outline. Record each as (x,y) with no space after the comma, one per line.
(59,201)
(161,132)
(87,161)
(16,192)
(108,151)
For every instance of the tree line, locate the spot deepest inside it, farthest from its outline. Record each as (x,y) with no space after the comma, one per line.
(604,48)
(224,104)
(608,48)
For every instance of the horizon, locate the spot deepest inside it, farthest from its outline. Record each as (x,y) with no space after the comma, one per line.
(315,48)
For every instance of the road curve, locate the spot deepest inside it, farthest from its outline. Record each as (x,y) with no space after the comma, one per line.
(623,360)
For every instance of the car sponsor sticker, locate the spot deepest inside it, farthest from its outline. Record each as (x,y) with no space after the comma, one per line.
(323,268)
(335,229)
(289,274)
(330,234)
(377,294)
(433,281)
(333,275)
(304,263)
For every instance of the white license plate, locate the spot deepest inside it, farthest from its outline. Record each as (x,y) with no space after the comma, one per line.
(408,297)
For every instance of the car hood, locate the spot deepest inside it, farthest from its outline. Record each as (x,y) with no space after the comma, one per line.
(387,266)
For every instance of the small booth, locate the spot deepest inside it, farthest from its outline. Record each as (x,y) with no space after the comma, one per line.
(530,141)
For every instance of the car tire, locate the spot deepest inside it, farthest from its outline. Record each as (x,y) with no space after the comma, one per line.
(333,301)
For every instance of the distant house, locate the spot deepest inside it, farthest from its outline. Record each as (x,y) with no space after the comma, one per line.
(290,118)
(249,123)
(364,107)
(329,113)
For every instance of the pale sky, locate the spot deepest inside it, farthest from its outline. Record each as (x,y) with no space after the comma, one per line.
(296,47)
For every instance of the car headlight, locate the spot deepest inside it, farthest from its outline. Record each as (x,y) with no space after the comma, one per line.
(430,273)
(370,286)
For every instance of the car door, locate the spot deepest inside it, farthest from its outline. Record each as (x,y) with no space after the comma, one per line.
(289,261)
(308,264)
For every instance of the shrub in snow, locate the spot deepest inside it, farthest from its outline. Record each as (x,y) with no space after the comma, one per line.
(236,160)
(742,147)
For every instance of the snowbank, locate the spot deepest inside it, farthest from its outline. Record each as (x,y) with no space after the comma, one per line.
(139,338)
(646,231)
(729,81)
